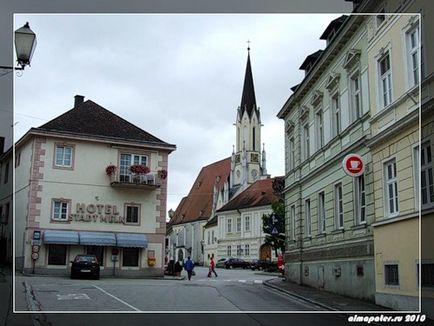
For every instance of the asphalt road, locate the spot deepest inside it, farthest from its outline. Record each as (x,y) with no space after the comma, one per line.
(233,290)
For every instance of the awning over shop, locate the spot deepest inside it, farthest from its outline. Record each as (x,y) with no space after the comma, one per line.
(132,240)
(97,239)
(61,237)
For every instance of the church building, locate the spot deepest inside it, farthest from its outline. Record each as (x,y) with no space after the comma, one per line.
(195,228)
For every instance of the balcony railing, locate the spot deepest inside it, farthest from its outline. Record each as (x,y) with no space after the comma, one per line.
(149,180)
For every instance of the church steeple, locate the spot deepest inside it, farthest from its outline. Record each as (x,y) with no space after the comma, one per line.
(248,99)
(246,160)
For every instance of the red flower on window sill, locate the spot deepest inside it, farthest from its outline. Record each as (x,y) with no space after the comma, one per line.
(110,169)
(162,174)
(139,169)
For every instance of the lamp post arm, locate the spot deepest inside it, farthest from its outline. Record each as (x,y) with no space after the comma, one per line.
(11,68)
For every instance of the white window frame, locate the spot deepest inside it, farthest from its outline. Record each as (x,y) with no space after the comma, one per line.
(238,224)
(124,165)
(292,210)
(306,140)
(385,94)
(239,250)
(137,206)
(391,181)
(247,223)
(339,206)
(229,225)
(417,174)
(63,210)
(385,274)
(319,128)
(426,172)
(360,199)
(356,95)
(413,52)
(246,250)
(291,150)
(307,215)
(321,213)
(336,115)
(229,251)
(60,158)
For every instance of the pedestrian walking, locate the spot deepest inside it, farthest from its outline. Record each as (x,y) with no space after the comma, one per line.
(212,267)
(188,266)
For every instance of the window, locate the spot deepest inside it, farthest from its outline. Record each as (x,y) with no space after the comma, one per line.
(64,156)
(126,161)
(17,159)
(6,179)
(60,210)
(238,224)
(293,222)
(212,237)
(385,75)
(426,176)
(56,254)
(336,116)
(321,213)
(413,49)
(307,217)
(391,274)
(6,219)
(239,250)
(229,251)
(247,250)
(209,238)
(130,257)
(416,174)
(360,202)
(339,208)
(132,214)
(291,153)
(356,98)
(98,251)
(391,188)
(427,275)
(319,129)
(247,223)
(229,226)
(306,141)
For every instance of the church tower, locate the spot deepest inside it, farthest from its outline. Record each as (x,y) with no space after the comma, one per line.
(247,164)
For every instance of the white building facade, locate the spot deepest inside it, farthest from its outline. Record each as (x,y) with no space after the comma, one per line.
(77,193)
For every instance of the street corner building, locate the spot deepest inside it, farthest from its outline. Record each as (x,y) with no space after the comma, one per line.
(90,182)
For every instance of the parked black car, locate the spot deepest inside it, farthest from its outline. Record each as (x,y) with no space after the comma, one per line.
(85,265)
(236,263)
(263,265)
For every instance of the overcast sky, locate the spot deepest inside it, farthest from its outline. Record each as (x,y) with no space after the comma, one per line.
(179,77)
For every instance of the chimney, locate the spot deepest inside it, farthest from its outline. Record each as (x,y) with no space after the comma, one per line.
(2,145)
(78,100)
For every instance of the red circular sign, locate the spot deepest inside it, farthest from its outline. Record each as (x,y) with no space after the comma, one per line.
(35,256)
(353,165)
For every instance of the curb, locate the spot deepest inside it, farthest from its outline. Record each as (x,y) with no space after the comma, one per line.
(292,294)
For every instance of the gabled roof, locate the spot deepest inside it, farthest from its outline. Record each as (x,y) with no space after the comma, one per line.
(260,193)
(212,222)
(198,204)
(248,99)
(92,120)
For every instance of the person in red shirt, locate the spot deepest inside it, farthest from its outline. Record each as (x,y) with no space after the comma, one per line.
(212,267)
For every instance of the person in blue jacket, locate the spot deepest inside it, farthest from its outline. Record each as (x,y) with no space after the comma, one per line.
(188,266)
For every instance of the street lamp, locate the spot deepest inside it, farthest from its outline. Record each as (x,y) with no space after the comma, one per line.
(25,43)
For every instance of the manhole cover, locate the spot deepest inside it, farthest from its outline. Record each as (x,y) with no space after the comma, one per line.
(73,296)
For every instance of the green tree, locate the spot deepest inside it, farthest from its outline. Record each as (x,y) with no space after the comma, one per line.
(273,226)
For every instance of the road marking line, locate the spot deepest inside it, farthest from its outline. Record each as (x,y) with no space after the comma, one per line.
(258,281)
(114,297)
(242,281)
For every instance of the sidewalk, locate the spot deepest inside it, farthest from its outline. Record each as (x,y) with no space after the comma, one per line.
(323,299)
(7,317)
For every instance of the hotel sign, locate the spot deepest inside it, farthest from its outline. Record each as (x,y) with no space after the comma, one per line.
(96,213)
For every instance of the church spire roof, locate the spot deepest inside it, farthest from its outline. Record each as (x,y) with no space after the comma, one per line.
(248,100)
